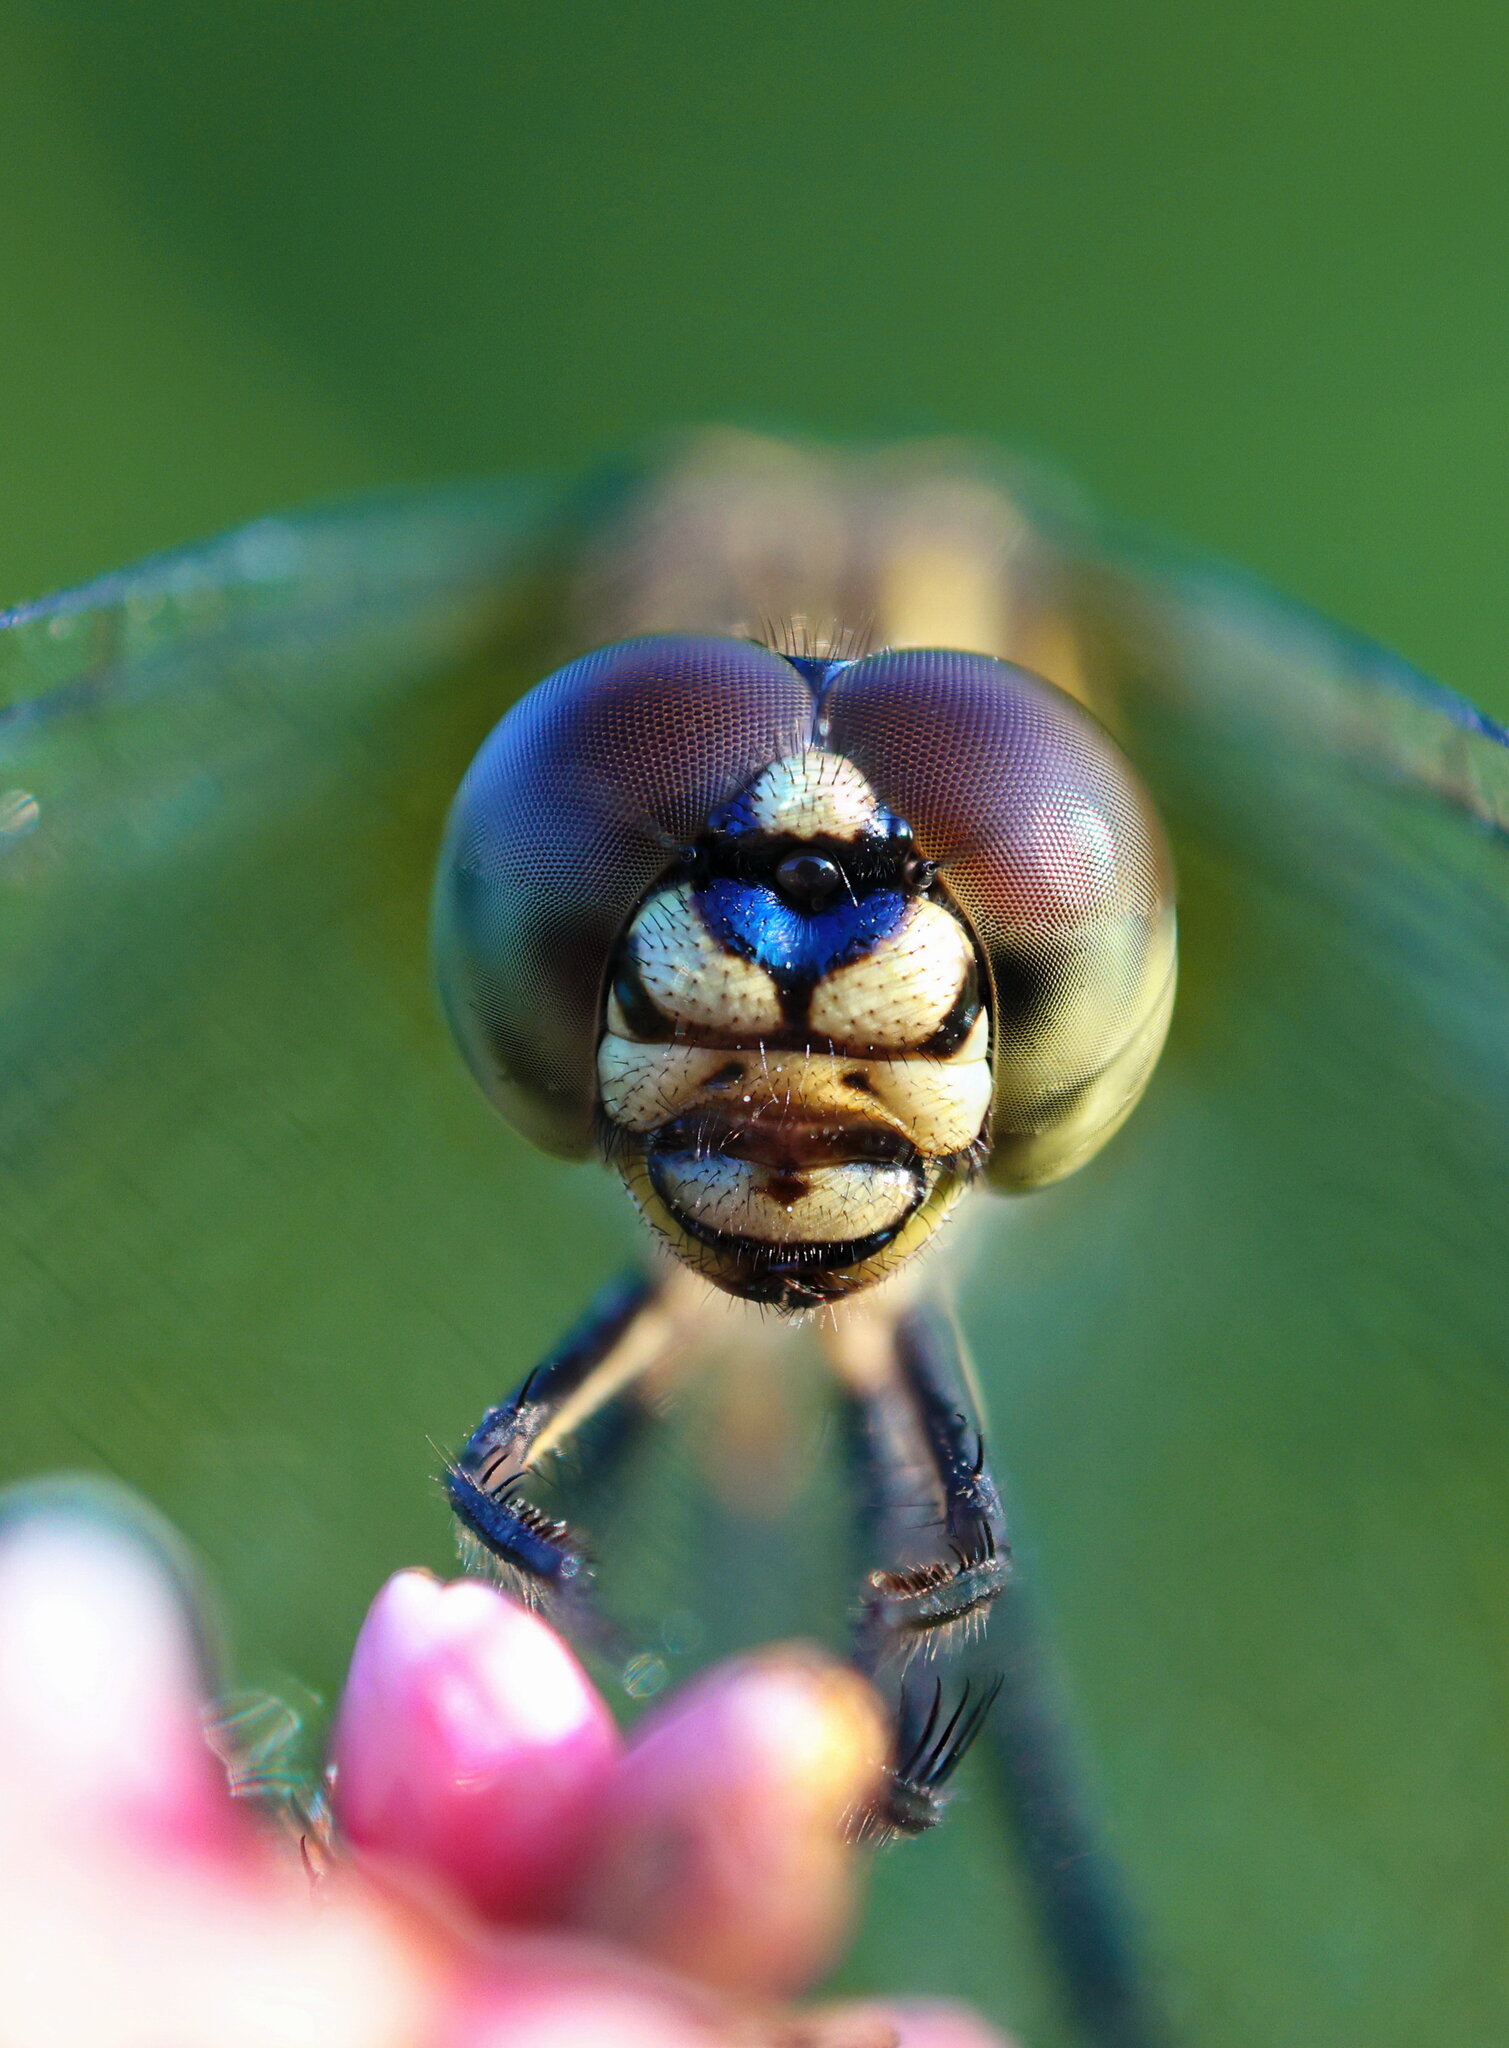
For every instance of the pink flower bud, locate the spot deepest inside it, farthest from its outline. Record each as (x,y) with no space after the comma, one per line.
(137,1903)
(471,1745)
(100,1679)
(725,1853)
(909,2023)
(553,1992)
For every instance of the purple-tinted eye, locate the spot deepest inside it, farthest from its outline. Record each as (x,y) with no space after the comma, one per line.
(1039,830)
(574,806)
(1038,815)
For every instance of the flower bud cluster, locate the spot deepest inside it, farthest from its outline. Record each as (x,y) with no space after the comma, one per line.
(508,1870)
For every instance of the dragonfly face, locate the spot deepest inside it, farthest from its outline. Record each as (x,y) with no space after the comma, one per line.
(807,945)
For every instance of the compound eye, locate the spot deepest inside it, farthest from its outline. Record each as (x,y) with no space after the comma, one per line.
(1052,850)
(573,808)
(808,877)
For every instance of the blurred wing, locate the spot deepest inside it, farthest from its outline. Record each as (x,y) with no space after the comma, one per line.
(252,1248)
(1250,1370)
(435,563)
(163,725)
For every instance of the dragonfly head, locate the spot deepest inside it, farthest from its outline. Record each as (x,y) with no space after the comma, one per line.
(805,947)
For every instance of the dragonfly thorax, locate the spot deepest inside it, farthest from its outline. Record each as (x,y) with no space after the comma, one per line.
(794,1071)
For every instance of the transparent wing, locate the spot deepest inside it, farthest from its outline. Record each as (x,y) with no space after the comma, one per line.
(257,1241)
(424,561)
(1250,1370)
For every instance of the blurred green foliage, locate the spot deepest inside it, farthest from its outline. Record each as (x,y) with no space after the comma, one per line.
(1242,271)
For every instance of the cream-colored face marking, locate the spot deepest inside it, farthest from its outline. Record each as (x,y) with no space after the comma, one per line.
(690,977)
(939,1105)
(895,997)
(811,795)
(822,1205)
(643,1086)
(724,1264)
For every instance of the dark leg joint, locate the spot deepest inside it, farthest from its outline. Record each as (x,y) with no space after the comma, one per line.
(923,1605)
(927,1489)
(973,1524)
(908,1605)
(538,1556)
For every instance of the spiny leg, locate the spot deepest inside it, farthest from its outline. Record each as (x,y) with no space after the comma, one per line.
(629,1327)
(924,1479)
(932,1512)
(959,1587)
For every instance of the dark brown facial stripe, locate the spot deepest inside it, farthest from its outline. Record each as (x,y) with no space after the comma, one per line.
(768,1261)
(645,1019)
(959,1022)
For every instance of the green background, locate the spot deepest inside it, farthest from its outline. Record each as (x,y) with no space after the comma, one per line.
(1243,271)
(1244,276)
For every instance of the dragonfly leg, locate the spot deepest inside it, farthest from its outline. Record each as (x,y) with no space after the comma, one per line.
(933,1514)
(929,1502)
(628,1328)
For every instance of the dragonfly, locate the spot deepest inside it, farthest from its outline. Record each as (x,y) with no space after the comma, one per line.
(1241,1374)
